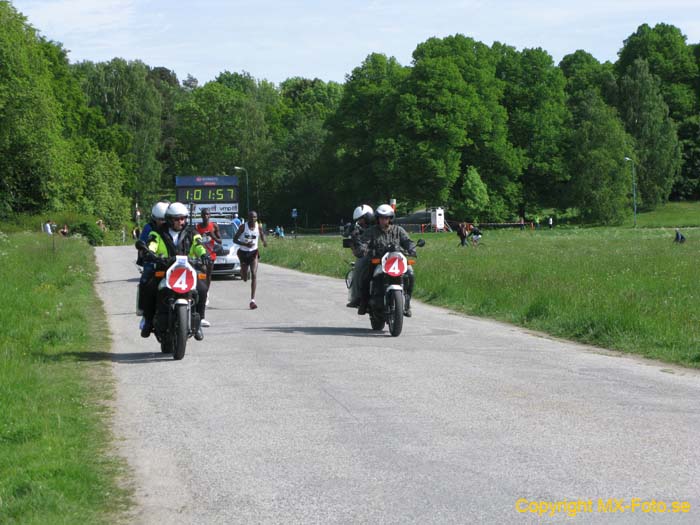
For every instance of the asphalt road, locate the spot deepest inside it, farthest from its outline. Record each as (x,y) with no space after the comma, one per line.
(297,412)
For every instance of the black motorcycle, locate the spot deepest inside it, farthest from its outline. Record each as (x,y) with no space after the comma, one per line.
(176,318)
(387,290)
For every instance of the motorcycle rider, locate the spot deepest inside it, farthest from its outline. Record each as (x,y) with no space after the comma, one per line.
(378,240)
(157,218)
(363,216)
(173,238)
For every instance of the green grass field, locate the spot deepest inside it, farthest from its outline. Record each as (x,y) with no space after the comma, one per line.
(618,288)
(672,215)
(55,462)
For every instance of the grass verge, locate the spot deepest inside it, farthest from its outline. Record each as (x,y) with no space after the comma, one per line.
(54,438)
(624,289)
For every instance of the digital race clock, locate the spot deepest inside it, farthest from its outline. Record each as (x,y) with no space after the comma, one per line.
(207,190)
(207,194)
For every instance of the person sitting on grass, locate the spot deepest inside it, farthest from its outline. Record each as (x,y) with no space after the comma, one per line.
(680,238)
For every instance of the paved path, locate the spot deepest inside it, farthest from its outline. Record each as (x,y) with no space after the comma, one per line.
(298,413)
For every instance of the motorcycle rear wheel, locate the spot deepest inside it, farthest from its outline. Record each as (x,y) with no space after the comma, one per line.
(180,332)
(376,319)
(395,312)
(165,345)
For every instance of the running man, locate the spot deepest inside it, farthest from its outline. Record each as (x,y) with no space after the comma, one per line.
(210,237)
(248,252)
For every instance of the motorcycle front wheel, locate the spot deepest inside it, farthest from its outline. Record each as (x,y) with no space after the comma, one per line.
(180,332)
(394,312)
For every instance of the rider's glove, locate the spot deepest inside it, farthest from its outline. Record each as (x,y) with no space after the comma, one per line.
(148,256)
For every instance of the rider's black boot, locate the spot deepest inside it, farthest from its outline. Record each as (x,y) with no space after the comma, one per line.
(147,328)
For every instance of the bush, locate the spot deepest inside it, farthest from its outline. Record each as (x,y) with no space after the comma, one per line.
(90,231)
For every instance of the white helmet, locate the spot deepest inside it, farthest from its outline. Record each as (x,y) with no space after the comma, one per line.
(362,211)
(385,211)
(176,209)
(159,209)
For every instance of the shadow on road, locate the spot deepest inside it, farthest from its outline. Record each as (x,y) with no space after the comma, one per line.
(132,280)
(130,358)
(319,330)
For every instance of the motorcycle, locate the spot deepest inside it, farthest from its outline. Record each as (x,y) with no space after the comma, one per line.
(176,318)
(387,290)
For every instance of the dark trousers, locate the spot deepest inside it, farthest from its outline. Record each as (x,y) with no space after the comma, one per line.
(360,279)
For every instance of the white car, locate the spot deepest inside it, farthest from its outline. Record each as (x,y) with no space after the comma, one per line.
(227,262)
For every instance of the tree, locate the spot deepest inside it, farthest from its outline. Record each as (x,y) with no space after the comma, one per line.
(38,169)
(190,83)
(671,59)
(473,198)
(535,99)
(295,166)
(600,181)
(646,118)
(361,157)
(220,128)
(455,120)
(674,62)
(171,93)
(131,103)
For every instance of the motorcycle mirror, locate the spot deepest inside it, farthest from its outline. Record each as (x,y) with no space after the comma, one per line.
(420,243)
(140,245)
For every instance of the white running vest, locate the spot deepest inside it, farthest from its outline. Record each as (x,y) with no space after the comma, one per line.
(250,235)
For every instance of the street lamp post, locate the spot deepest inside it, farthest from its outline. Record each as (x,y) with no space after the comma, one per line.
(634,190)
(247,188)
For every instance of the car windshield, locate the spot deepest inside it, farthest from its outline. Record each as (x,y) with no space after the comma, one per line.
(226,231)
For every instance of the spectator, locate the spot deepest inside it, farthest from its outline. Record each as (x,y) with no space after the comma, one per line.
(550,221)
(475,234)
(537,222)
(522,223)
(47,227)
(136,232)
(680,238)
(462,233)
(101,225)
(64,230)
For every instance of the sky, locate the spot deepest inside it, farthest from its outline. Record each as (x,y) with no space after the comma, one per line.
(278,39)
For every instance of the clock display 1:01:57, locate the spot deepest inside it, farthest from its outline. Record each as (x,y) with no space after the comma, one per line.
(205,194)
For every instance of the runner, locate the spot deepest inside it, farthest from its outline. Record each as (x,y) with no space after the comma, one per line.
(210,236)
(248,251)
